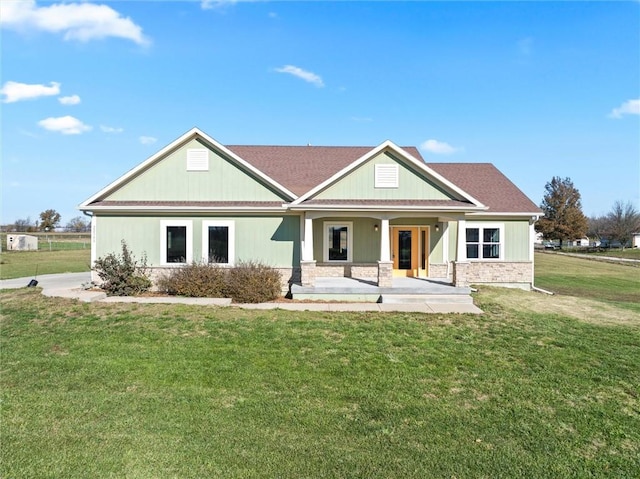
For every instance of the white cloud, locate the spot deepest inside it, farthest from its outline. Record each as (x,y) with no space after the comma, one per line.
(147,140)
(629,107)
(15,91)
(75,21)
(302,74)
(439,147)
(110,129)
(69,100)
(67,125)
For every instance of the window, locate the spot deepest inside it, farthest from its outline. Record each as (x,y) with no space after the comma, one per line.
(484,242)
(197,159)
(218,242)
(175,242)
(386,176)
(338,242)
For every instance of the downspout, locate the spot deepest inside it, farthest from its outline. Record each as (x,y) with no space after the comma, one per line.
(533,286)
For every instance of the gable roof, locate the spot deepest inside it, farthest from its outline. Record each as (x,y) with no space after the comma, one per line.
(302,168)
(298,172)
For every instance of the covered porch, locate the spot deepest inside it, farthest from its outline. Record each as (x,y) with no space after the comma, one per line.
(386,250)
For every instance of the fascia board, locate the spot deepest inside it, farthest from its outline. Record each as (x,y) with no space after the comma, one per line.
(193,133)
(420,165)
(181,209)
(339,207)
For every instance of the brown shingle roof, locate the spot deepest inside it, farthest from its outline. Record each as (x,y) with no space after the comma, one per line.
(488,185)
(302,168)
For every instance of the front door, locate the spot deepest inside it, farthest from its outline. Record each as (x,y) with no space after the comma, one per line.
(406,244)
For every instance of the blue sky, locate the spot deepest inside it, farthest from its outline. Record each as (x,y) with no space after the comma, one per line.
(540,89)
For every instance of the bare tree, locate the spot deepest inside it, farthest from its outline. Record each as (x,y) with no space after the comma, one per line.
(622,222)
(78,225)
(563,217)
(23,225)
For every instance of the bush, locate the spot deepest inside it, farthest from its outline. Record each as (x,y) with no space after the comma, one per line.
(248,282)
(253,282)
(123,275)
(199,280)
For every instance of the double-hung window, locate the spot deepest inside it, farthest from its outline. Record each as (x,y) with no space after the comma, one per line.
(218,242)
(338,241)
(485,241)
(176,239)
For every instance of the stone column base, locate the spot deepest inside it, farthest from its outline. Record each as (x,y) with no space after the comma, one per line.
(385,274)
(308,273)
(460,274)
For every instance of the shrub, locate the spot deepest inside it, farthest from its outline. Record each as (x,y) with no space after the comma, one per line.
(123,275)
(253,282)
(248,282)
(199,280)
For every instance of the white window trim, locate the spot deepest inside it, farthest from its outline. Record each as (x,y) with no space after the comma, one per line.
(325,241)
(232,240)
(386,175)
(482,226)
(163,241)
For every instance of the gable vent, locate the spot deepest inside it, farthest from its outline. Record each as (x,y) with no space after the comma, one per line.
(197,159)
(386,176)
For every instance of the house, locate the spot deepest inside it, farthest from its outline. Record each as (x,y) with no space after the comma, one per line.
(319,211)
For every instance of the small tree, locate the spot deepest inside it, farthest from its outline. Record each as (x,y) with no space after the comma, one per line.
(77,225)
(622,222)
(49,220)
(563,217)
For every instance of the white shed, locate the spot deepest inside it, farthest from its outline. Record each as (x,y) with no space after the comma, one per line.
(22,243)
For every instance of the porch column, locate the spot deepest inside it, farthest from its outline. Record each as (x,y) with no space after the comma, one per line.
(307,263)
(461,265)
(385,265)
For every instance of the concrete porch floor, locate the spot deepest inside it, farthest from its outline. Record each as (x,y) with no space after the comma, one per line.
(342,285)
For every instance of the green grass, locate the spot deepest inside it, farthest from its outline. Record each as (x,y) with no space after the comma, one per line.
(20,264)
(174,391)
(618,283)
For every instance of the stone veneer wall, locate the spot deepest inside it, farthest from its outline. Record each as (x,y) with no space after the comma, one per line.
(351,270)
(439,270)
(515,274)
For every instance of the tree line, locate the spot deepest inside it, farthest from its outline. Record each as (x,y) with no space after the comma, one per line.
(564,220)
(49,220)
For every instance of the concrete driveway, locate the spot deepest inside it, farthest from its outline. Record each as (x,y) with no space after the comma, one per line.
(50,281)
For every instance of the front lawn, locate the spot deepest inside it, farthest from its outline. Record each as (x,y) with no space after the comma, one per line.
(538,386)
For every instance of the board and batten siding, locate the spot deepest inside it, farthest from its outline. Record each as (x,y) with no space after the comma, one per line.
(516,239)
(272,240)
(360,184)
(169,180)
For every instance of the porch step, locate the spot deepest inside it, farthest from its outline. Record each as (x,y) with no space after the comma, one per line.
(426,299)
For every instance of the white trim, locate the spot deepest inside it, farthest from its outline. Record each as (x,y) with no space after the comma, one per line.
(163,241)
(420,165)
(231,253)
(94,236)
(385,240)
(307,238)
(482,226)
(325,240)
(445,240)
(188,136)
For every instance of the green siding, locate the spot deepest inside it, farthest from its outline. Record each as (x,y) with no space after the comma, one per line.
(274,240)
(516,241)
(359,184)
(366,241)
(169,180)
(453,240)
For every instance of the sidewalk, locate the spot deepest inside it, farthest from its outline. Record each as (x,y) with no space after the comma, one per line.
(69,286)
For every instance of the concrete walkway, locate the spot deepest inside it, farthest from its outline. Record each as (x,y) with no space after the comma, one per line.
(70,285)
